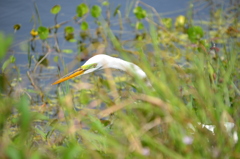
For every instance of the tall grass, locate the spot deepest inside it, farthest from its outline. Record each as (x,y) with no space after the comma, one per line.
(111,116)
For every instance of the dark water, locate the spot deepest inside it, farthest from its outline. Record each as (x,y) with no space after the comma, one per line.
(14,12)
(23,12)
(20,12)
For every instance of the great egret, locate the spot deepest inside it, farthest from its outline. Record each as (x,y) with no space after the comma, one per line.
(102,61)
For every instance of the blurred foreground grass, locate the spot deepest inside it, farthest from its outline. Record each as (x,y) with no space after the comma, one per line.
(121,117)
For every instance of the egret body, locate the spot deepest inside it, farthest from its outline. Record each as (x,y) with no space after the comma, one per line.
(102,61)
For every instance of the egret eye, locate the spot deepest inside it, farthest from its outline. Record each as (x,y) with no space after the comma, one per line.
(86,67)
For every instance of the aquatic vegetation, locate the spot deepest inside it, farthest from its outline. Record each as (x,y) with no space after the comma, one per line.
(192,64)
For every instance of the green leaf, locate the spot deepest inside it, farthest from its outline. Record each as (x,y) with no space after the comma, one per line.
(43,32)
(69,33)
(139,25)
(167,22)
(5,44)
(68,29)
(140,13)
(69,36)
(67,51)
(82,9)
(40,132)
(205,43)
(84,25)
(16,27)
(195,33)
(5,64)
(96,11)
(210,71)
(44,62)
(10,60)
(72,40)
(55,59)
(24,110)
(55,9)
(105,3)
(32,91)
(84,98)
(116,10)
(13,152)
(84,35)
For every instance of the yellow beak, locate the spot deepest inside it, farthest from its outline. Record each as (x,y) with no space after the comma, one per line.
(75,73)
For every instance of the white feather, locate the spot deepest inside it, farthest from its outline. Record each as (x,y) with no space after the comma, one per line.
(105,61)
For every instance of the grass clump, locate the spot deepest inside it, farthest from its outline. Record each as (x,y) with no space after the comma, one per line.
(114,115)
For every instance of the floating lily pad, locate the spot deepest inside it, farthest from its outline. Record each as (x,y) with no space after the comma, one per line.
(68,29)
(84,25)
(67,51)
(96,11)
(82,9)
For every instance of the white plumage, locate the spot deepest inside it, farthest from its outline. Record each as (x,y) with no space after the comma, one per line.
(105,61)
